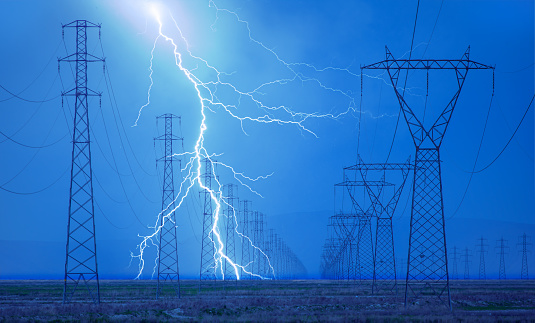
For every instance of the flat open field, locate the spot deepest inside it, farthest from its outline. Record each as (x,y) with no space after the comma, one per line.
(268,301)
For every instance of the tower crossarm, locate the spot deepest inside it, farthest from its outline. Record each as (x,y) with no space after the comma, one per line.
(416,128)
(379,207)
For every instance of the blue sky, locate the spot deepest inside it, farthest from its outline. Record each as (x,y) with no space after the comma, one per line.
(298,198)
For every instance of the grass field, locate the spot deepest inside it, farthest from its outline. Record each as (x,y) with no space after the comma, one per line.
(266,301)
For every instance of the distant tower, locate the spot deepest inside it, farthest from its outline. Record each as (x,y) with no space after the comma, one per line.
(208,265)
(454,257)
(270,253)
(168,274)
(466,259)
(245,243)
(524,244)
(81,255)
(230,244)
(384,197)
(482,247)
(258,240)
(501,247)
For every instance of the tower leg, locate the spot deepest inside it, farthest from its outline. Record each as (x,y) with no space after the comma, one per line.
(384,274)
(427,260)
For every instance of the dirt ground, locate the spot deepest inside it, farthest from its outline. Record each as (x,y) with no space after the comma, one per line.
(265,301)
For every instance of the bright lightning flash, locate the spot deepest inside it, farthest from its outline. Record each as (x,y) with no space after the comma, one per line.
(208,100)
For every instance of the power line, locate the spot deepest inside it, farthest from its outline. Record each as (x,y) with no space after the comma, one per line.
(35,111)
(38,191)
(27,100)
(34,155)
(477,157)
(521,69)
(404,85)
(33,81)
(434,26)
(29,146)
(510,139)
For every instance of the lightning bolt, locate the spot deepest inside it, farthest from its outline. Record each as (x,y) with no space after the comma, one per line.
(209,101)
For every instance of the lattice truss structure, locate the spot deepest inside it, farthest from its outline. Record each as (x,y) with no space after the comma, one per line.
(264,255)
(230,230)
(482,248)
(524,244)
(208,263)
(350,252)
(427,265)
(352,230)
(384,197)
(81,254)
(168,272)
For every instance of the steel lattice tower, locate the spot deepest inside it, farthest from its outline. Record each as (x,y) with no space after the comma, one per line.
(245,243)
(524,244)
(230,245)
(482,249)
(346,228)
(454,258)
(258,239)
(208,265)
(384,265)
(501,246)
(366,256)
(356,231)
(81,251)
(427,260)
(269,252)
(466,259)
(168,273)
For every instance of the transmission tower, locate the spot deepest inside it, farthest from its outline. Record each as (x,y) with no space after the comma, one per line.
(482,248)
(258,239)
(428,261)
(208,265)
(230,246)
(454,258)
(524,244)
(269,253)
(354,228)
(345,227)
(384,262)
(245,243)
(81,253)
(168,274)
(502,249)
(466,259)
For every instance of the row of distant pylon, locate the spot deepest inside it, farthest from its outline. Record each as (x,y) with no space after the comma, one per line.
(263,254)
(501,250)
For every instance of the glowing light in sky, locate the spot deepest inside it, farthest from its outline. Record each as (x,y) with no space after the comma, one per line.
(208,100)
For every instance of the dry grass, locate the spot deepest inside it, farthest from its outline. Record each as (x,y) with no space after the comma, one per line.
(268,301)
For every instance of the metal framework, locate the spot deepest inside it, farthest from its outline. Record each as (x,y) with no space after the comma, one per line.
(354,231)
(168,272)
(81,250)
(427,259)
(230,242)
(258,240)
(208,265)
(502,249)
(454,257)
(467,255)
(384,266)
(345,237)
(245,243)
(482,249)
(525,243)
